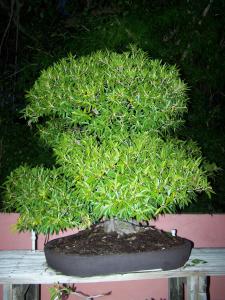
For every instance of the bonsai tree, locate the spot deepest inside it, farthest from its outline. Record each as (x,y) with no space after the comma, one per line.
(111,120)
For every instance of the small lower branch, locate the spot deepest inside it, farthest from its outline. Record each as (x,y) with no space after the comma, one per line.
(90,297)
(62,292)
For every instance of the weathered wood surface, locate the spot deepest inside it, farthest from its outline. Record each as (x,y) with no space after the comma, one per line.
(20,291)
(197,288)
(27,267)
(176,288)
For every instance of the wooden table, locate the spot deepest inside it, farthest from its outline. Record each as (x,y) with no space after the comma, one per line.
(22,270)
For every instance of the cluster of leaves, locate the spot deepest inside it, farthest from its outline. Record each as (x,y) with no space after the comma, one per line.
(138,178)
(108,92)
(19,145)
(45,200)
(109,118)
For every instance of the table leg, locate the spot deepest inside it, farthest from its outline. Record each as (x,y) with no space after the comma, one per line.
(197,287)
(20,292)
(176,288)
(7,292)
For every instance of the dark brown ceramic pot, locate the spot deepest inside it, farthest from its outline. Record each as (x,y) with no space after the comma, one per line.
(91,265)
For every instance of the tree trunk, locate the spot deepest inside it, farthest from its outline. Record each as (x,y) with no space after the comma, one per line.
(121,227)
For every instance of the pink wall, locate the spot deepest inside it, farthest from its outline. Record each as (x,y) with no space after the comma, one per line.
(203,230)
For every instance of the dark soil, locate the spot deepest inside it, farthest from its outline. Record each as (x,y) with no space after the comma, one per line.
(95,241)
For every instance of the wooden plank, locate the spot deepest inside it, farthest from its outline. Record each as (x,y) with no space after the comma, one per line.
(27,267)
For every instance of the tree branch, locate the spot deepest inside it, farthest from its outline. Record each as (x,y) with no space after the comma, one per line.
(8,25)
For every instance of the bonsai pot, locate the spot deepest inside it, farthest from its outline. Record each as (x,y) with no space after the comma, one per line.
(104,264)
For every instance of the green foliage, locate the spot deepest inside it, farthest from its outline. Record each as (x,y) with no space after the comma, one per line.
(61,292)
(177,32)
(44,198)
(138,177)
(110,119)
(108,92)
(19,145)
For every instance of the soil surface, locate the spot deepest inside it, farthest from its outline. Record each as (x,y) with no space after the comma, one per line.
(95,241)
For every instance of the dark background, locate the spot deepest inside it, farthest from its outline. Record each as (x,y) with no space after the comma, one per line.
(191,34)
